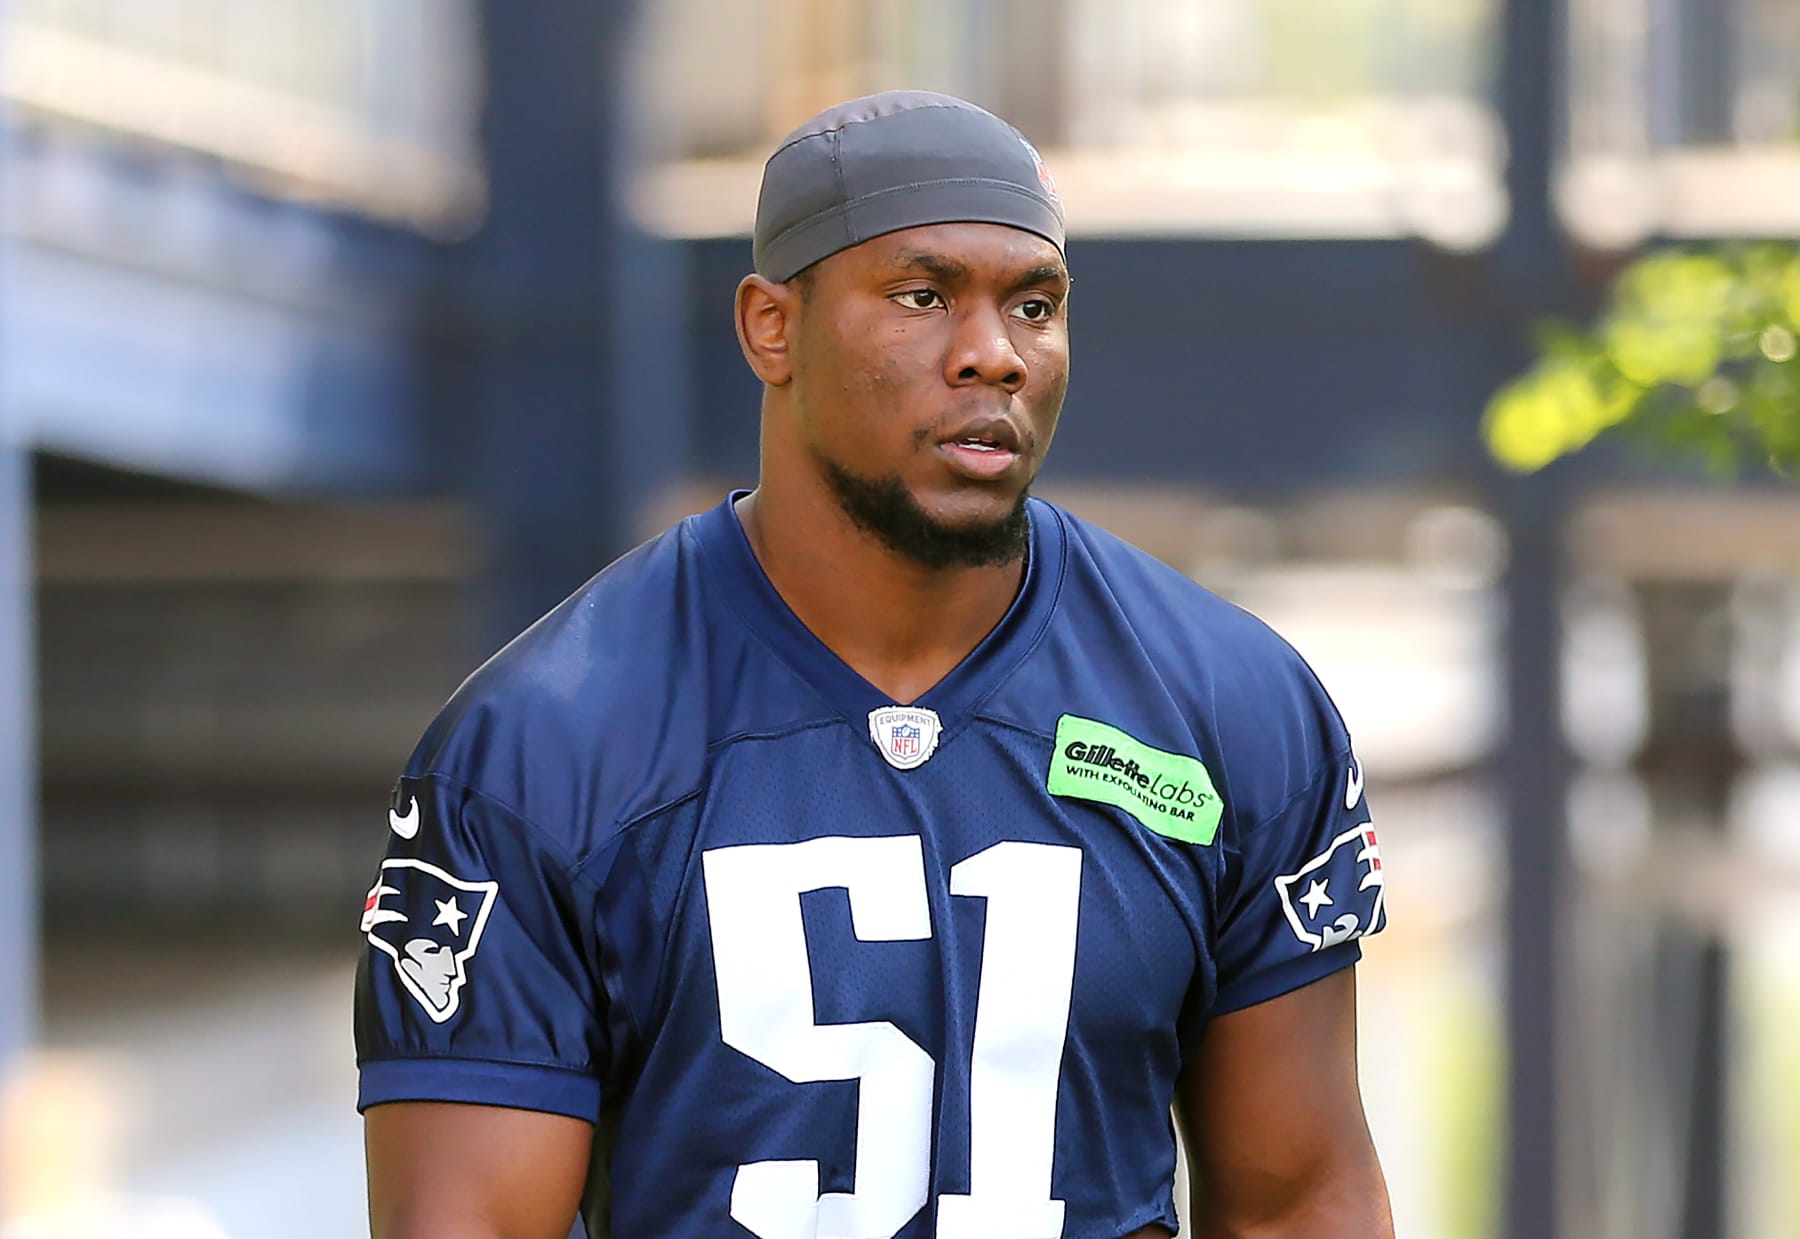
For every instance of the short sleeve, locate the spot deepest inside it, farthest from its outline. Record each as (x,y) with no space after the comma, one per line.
(478,979)
(1304,884)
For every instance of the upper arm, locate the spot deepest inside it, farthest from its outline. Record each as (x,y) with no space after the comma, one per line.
(481,1023)
(1272,1114)
(1268,1096)
(445,1171)
(480,978)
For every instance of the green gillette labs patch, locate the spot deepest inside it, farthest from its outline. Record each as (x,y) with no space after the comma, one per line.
(1166,792)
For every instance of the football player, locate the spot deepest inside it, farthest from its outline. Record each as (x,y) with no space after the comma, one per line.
(882,852)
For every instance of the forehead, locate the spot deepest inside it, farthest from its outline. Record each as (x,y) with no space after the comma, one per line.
(982,250)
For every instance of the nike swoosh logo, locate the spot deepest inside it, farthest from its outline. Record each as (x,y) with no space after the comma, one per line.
(408,826)
(1352,790)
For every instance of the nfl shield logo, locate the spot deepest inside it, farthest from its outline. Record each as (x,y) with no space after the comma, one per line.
(906,741)
(905,735)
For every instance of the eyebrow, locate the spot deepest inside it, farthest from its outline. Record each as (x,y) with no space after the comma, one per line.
(946,269)
(1043,273)
(951,270)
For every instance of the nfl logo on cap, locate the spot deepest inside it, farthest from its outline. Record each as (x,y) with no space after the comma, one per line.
(905,735)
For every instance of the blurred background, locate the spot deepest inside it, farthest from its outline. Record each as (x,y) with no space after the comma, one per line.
(340,338)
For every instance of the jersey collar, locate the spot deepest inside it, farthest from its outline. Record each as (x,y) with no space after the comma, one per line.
(725,549)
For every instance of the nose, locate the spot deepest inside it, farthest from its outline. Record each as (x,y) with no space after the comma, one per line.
(983,352)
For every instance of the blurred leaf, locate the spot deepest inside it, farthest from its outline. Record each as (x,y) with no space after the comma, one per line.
(1696,356)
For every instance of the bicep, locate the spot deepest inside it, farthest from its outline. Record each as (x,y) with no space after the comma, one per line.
(451,1171)
(1272,1115)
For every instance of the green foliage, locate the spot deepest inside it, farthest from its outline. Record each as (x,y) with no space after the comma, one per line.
(1696,355)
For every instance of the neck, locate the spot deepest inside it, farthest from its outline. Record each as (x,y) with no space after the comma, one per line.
(898,624)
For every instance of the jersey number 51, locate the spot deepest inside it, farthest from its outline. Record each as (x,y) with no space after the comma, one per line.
(1033,893)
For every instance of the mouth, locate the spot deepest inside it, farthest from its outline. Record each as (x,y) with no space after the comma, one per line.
(984,449)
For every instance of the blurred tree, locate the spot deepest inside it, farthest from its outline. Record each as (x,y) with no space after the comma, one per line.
(1695,355)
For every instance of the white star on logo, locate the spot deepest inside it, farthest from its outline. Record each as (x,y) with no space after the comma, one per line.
(1315,895)
(451,915)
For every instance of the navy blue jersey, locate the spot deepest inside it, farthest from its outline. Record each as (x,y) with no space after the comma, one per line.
(822,965)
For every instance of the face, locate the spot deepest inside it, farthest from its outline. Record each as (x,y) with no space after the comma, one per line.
(928,369)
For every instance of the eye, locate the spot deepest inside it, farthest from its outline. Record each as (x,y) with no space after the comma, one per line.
(1037,310)
(919,299)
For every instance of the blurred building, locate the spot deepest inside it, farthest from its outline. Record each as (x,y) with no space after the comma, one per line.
(223,233)
(339,338)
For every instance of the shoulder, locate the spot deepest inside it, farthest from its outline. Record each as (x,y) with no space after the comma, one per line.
(574,724)
(1245,694)
(1179,622)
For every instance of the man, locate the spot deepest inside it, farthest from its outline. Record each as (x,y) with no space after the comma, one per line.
(882,852)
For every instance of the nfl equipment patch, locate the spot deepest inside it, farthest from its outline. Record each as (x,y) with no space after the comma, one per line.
(906,735)
(429,924)
(1338,894)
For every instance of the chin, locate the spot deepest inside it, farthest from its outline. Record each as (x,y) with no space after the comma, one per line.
(961,529)
(964,510)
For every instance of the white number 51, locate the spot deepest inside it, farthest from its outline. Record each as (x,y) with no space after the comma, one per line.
(1021,1021)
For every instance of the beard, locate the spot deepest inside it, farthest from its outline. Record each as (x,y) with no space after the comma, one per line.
(885,508)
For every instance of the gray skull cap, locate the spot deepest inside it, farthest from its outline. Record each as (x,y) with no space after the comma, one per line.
(902,159)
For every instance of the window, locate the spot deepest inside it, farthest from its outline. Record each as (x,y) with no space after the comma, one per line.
(368,104)
(1684,120)
(1233,117)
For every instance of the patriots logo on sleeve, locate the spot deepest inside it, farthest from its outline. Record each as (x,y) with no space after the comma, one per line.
(428,923)
(1338,894)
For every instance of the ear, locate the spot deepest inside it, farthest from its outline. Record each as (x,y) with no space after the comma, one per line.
(767,314)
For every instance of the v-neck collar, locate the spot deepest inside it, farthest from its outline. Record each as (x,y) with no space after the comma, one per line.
(726,550)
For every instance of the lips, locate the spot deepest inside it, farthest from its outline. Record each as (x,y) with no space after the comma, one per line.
(983,449)
(986,432)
